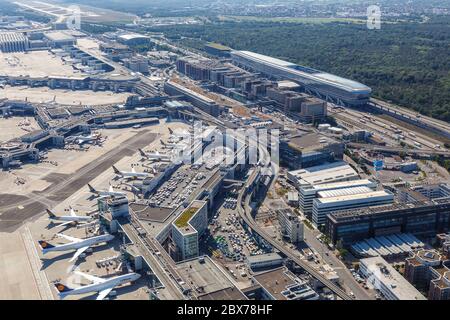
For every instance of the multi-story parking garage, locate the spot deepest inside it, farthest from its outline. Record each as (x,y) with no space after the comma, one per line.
(323,85)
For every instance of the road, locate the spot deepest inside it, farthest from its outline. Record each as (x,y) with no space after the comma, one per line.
(329,257)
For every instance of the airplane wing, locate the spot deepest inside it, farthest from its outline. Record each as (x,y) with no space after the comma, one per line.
(72,239)
(78,252)
(92,278)
(65,223)
(102,294)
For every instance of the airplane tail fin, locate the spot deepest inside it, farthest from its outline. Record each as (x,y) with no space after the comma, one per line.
(116,171)
(45,245)
(91,189)
(62,289)
(50,214)
(142,152)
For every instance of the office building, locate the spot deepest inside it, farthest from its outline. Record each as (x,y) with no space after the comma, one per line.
(387,280)
(346,199)
(291,226)
(324,85)
(417,267)
(308,193)
(429,271)
(13,42)
(423,219)
(440,287)
(188,227)
(309,150)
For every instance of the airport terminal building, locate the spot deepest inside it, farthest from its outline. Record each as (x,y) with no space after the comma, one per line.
(323,85)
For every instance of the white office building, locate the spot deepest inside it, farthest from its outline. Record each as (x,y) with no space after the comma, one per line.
(345,199)
(291,226)
(188,227)
(308,193)
(391,284)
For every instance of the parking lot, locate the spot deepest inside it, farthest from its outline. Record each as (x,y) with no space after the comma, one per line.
(228,242)
(179,187)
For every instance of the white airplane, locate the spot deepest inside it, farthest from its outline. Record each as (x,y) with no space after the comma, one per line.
(84,139)
(104,193)
(155,156)
(73,218)
(130,174)
(80,245)
(100,285)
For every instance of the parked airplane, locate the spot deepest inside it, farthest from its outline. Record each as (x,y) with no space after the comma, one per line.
(130,174)
(155,156)
(104,193)
(100,285)
(80,245)
(84,139)
(73,218)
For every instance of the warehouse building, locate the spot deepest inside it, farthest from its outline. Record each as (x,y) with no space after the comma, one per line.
(13,42)
(322,174)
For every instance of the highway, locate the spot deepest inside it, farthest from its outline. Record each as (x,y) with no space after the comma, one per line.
(412,114)
(393,150)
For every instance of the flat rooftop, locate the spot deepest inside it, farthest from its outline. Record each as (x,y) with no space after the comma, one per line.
(59,36)
(387,275)
(343,184)
(207,280)
(275,281)
(352,197)
(147,213)
(344,192)
(310,142)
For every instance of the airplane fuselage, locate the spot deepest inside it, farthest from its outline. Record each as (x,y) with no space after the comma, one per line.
(83,243)
(110,283)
